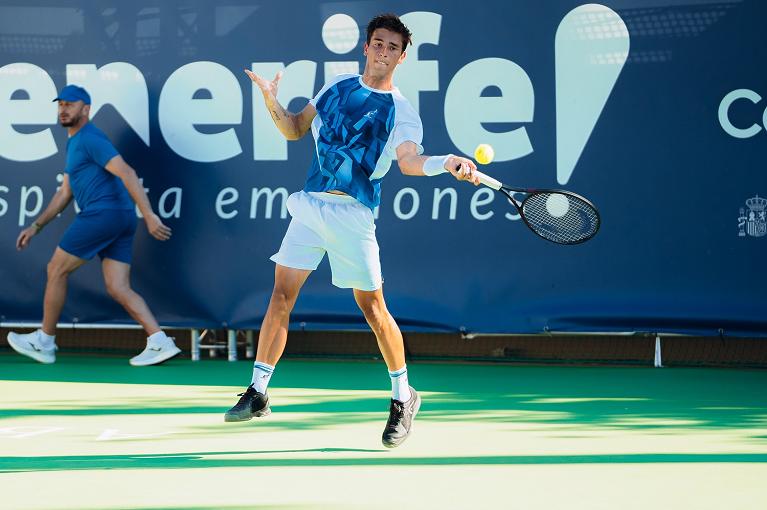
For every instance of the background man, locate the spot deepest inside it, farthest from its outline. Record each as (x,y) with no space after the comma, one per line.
(103,185)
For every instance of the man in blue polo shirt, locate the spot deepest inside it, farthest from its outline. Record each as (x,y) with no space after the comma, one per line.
(105,188)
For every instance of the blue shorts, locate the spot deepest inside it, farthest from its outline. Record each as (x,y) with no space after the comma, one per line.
(108,233)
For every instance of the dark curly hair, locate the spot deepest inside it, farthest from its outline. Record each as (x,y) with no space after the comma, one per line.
(392,23)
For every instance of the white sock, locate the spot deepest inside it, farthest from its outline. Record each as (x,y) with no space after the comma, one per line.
(45,339)
(400,389)
(262,373)
(159,338)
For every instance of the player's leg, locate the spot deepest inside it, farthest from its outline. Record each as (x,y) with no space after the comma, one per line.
(274,328)
(160,347)
(40,345)
(116,252)
(61,265)
(272,338)
(354,260)
(300,253)
(117,281)
(383,325)
(405,401)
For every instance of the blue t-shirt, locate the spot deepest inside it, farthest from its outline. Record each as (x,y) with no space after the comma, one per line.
(94,187)
(356,133)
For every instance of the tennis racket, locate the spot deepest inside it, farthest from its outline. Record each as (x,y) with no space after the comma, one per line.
(558,216)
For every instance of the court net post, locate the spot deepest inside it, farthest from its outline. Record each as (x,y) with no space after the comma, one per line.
(658,359)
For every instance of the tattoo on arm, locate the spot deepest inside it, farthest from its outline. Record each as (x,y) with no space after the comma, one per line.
(283,119)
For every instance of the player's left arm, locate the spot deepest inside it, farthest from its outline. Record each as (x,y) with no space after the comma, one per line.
(293,126)
(127,174)
(412,163)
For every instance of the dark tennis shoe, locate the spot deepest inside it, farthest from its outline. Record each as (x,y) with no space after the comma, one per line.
(251,403)
(401,415)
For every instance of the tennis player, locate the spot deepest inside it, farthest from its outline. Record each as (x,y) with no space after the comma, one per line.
(360,124)
(105,188)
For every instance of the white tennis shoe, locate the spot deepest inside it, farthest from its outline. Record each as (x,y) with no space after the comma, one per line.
(32,345)
(155,353)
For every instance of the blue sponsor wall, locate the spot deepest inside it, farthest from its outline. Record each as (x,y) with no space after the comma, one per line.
(653,109)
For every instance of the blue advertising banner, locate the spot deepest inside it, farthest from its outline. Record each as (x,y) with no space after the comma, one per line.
(653,109)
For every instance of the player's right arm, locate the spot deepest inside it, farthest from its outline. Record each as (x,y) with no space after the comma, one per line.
(412,163)
(292,125)
(58,203)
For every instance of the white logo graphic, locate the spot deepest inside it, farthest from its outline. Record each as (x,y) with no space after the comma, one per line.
(592,45)
(753,222)
(591,48)
(371,114)
(724,114)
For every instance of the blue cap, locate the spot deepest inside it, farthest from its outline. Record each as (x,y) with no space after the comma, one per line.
(74,93)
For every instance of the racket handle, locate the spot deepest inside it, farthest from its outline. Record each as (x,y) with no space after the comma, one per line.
(488,181)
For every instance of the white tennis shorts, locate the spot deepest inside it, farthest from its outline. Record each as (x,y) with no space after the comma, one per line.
(338,225)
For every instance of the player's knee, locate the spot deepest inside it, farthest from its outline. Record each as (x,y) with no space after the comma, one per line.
(56,270)
(118,292)
(282,301)
(375,313)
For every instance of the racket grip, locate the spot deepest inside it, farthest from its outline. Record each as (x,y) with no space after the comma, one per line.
(488,181)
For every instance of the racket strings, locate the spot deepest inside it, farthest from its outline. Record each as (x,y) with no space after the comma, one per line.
(560,217)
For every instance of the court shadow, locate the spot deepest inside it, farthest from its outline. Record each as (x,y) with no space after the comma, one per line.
(264,458)
(615,398)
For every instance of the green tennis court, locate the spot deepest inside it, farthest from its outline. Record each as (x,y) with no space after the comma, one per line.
(91,432)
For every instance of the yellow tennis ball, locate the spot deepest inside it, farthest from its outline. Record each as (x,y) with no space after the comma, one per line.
(484,154)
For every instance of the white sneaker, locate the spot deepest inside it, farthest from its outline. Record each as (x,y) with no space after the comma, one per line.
(30,344)
(155,352)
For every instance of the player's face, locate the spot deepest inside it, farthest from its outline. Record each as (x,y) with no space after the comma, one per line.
(70,113)
(384,52)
